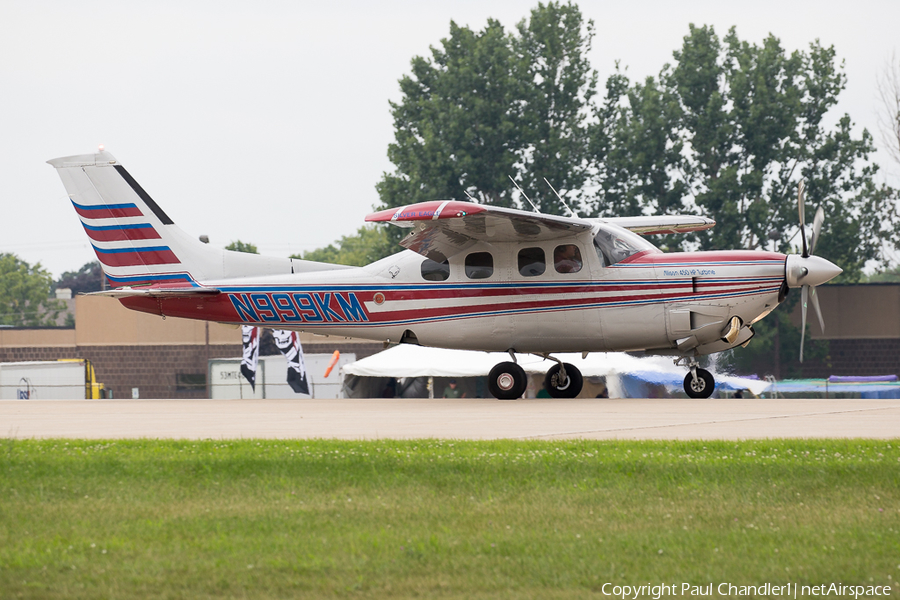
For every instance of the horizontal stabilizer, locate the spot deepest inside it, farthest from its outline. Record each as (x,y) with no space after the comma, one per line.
(158,292)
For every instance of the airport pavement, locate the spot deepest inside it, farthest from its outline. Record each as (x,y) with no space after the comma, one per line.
(667,419)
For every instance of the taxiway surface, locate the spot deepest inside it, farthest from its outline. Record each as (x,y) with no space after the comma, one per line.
(399,418)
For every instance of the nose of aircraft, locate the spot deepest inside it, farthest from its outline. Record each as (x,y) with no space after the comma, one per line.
(812,270)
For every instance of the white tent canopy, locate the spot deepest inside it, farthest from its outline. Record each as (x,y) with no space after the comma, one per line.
(407,360)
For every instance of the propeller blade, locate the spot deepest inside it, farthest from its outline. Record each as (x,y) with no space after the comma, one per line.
(815,303)
(801,208)
(804,296)
(817,229)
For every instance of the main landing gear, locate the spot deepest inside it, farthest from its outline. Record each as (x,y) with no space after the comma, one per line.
(699,383)
(563,380)
(507,380)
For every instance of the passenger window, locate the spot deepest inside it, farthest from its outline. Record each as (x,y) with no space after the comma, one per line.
(435,271)
(531,262)
(567,259)
(479,265)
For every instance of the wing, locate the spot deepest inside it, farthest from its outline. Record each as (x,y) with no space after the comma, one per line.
(442,228)
(662,224)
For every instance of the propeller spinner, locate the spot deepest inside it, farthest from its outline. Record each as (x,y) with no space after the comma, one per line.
(807,271)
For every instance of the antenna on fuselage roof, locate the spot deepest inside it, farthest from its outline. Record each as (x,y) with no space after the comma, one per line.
(521,191)
(470,196)
(571,212)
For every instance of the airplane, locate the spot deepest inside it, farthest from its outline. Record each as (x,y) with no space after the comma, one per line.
(472,276)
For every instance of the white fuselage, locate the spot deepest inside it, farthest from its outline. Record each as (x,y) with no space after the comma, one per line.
(674,302)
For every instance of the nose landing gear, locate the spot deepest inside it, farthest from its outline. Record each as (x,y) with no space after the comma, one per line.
(699,383)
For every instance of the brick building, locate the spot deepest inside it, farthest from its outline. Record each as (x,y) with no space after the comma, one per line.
(862,326)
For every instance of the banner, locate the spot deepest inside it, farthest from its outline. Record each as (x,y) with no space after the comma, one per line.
(289,344)
(250,358)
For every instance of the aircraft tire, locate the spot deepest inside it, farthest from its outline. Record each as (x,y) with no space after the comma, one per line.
(703,387)
(507,381)
(570,388)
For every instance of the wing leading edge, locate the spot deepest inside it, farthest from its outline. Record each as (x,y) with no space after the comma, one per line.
(649,225)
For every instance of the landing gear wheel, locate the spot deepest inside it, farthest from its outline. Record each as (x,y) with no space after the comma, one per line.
(568,388)
(703,387)
(507,381)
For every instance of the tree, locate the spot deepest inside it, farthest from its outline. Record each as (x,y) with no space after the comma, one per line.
(727,131)
(890,275)
(239,246)
(559,90)
(490,104)
(368,245)
(89,278)
(25,294)
(888,86)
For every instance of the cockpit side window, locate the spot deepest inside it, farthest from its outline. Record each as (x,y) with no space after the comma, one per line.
(615,244)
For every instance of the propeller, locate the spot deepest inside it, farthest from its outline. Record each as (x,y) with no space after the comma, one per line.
(806,270)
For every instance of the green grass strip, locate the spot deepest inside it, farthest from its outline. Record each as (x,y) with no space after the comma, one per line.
(444,519)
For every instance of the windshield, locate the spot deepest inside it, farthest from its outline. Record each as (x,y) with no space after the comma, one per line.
(615,244)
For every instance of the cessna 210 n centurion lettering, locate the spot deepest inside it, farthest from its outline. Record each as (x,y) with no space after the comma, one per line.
(473,277)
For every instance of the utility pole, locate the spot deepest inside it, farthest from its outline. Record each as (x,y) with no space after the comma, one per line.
(777,349)
(775,238)
(207,360)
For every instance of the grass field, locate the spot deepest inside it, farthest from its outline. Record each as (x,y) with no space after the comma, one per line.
(429,518)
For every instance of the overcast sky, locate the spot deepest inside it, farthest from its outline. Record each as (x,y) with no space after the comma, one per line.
(269,121)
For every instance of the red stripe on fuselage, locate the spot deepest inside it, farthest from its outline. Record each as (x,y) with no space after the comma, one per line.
(560,303)
(439,293)
(215,308)
(220,308)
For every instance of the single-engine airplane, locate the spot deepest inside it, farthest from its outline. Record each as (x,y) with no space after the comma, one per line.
(473,277)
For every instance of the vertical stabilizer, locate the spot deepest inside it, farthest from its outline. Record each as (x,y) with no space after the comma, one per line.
(135,240)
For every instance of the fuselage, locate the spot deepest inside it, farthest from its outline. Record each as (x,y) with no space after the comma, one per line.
(525,296)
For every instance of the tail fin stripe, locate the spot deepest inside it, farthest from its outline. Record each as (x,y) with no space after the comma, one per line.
(137,250)
(111,227)
(131,257)
(121,233)
(162,216)
(108,211)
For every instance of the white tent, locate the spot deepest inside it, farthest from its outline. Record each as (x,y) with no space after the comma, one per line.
(407,360)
